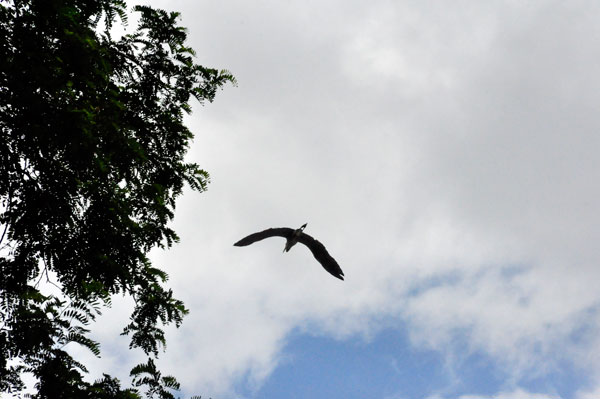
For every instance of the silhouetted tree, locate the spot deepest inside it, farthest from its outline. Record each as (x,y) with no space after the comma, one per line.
(92,149)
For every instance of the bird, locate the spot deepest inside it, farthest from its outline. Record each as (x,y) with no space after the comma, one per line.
(292,237)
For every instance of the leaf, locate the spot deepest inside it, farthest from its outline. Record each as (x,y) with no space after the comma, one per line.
(92,160)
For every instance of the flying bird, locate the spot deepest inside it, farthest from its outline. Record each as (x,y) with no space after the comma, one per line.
(292,237)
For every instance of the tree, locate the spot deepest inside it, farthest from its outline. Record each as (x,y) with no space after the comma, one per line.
(92,149)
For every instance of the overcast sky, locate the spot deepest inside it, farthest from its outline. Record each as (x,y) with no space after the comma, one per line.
(446,153)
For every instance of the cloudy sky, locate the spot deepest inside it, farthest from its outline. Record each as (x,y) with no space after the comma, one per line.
(446,153)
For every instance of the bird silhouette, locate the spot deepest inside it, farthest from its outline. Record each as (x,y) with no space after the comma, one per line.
(292,237)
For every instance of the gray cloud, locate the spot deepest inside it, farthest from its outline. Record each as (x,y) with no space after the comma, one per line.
(446,155)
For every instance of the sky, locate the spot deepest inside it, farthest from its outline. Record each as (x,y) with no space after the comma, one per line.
(446,153)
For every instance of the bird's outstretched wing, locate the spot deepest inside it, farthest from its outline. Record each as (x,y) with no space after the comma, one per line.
(321,254)
(284,232)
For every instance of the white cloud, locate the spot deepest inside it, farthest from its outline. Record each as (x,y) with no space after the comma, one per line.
(516,394)
(589,394)
(447,157)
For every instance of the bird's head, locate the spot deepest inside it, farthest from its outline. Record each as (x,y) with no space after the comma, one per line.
(303,226)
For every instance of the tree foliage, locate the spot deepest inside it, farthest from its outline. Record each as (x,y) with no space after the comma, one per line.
(92,149)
